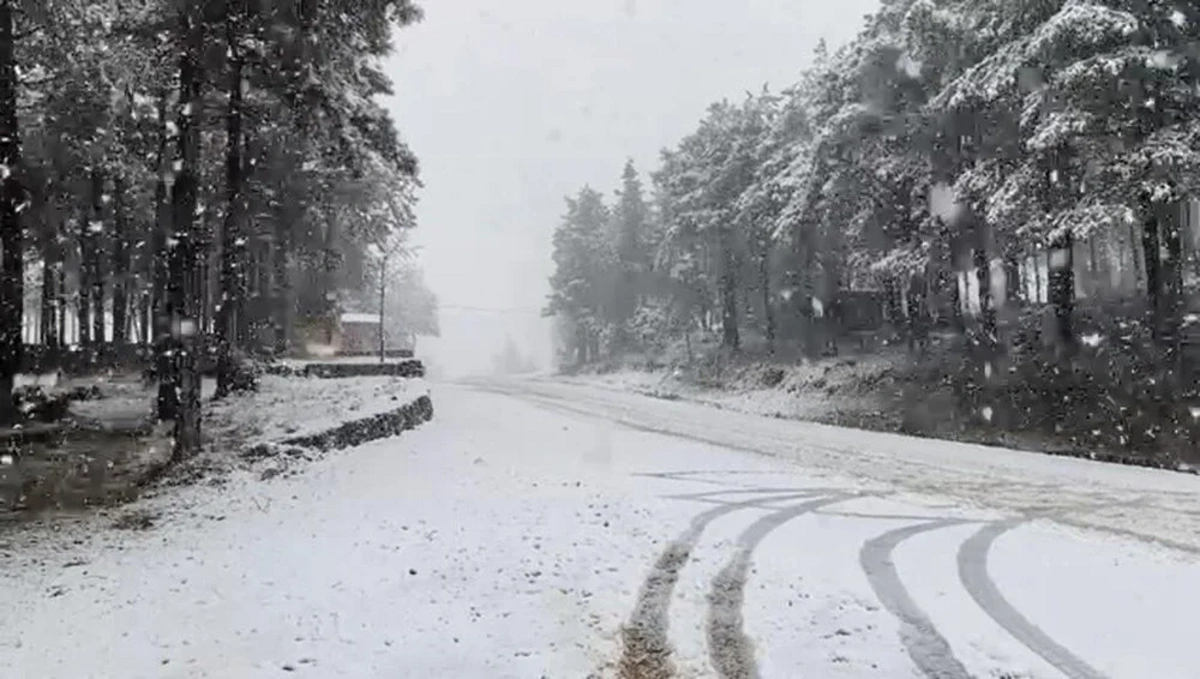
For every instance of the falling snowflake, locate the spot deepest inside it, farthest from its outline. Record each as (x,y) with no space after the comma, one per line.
(1092,340)
(987,413)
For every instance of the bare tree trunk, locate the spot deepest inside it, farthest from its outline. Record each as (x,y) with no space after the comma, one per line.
(988,333)
(167,402)
(729,288)
(1172,287)
(233,243)
(61,290)
(83,306)
(12,269)
(50,296)
(1150,252)
(950,279)
(1062,289)
(120,277)
(283,284)
(329,280)
(764,279)
(95,229)
(1012,280)
(183,297)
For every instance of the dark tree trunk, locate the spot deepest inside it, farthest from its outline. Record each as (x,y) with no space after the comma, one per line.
(988,334)
(120,264)
(183,296)
(919,318)
(47,332)
(1172,286)
(167,403)
(1150,252)
(60,277)
(894,302)
(233,243)
(50,296)
(950,279)
(1012,281)
(730,337)
(1062,289)
(329,281)
(764,281)
(296,213)
(83,306)
(12,274)
(283,284)
(95,229)
(146,317)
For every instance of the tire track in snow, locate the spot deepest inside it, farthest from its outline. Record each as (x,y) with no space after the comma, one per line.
(730,650)
(646,652)
(973,572)
(924,644)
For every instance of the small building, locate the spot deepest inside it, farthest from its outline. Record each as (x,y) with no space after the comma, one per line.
(360,334)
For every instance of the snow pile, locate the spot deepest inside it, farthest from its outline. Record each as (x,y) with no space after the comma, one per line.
(825,392)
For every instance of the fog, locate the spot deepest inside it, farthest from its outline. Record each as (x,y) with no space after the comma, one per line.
(511,107)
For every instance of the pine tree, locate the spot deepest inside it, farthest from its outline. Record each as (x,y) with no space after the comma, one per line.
(631,217)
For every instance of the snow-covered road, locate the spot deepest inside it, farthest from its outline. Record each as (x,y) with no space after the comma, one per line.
(541,530)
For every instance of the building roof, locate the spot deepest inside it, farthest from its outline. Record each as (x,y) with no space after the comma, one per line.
(373,319)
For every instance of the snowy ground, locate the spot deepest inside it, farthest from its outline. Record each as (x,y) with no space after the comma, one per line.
(527,526)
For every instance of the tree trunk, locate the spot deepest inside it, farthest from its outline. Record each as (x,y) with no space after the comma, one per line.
(988,334)
(764,280)
(950,279)
(283,283)
(729,288)
(83,305)
(95,229)
(919,317)
(1062,289)
(146,317)
(296,61)
(61,289)
(49,301)
(120,264)
(12,274)
(1012,281)
(329,281)
(233,249)
(167,402)
(1172,287)
(894,300)
(183,299)
(1150,252)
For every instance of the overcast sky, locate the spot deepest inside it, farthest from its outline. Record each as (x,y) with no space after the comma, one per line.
(511,106)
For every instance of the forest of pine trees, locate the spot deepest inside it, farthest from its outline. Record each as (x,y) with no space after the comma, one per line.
(195,176)
(959,167)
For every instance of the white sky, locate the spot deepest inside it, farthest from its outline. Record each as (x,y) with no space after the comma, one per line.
(511,106)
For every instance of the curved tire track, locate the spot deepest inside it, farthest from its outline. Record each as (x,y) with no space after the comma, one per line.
(924,644)
(973,571)
(730,650)
(646,652)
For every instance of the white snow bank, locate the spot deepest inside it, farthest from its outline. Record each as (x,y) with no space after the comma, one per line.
(284,407)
